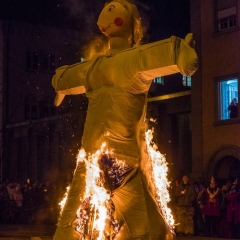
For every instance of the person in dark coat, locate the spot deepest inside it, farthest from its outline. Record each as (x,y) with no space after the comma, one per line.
(185,194)
(199,217)
(233,108)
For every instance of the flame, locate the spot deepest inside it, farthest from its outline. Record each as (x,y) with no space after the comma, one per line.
(95,212)
(158,174)
(95,192)
(63,202)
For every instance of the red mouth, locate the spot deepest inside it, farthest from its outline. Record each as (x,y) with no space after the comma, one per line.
(105,29)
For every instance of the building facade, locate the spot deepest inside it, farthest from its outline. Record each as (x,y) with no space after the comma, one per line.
(215,132)
(193,127)
(38,140)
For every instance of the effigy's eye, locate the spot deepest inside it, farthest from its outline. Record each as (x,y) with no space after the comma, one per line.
(111,8)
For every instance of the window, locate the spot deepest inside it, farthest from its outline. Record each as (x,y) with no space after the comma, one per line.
(226,22)
(187,81)
(226,14)
(31,108)
(32,61)
(46,107)
(228,96)
(159,80)
(47,62)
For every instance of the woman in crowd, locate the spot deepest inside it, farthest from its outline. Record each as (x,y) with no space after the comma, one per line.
(211,210)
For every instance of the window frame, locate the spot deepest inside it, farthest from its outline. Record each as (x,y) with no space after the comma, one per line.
(217,29)
(46,62)
(159,80)
(217,80)
(30,108)
(32,61)
(187,81)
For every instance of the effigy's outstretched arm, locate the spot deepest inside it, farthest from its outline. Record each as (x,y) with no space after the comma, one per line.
(167,57)
(71,79)
(66,81)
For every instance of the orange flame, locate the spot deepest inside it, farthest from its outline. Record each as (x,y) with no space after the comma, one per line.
(98,195)
(95,191)
(62,203)
(158,174)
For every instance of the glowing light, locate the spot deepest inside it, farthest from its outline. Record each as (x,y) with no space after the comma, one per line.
(95,197)
(158,170)
(63,202)
(94,218)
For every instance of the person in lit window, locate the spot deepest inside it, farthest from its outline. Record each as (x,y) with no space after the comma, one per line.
(233,107)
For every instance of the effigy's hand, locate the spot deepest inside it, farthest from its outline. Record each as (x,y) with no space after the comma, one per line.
(187,59)
(66,81)
(189,40)
(59,98)
(55,82)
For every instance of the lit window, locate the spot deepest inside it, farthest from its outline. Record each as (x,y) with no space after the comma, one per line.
(228,98)
(159,80)
(187,81)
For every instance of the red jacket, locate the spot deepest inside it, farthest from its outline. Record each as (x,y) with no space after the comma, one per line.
(233,205)
(211,202)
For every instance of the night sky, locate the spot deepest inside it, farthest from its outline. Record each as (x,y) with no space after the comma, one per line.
(161,18)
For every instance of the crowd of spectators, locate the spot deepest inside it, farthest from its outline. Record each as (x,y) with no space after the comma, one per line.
(29,203)
(211,210)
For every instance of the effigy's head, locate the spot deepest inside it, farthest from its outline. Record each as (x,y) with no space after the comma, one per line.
(120,18)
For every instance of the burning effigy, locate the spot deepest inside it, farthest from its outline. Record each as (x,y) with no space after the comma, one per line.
(120,187)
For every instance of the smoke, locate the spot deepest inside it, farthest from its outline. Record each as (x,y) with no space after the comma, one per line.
(99,44)
(84,13)
(75,8)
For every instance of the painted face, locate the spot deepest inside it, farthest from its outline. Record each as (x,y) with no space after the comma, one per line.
(115,21)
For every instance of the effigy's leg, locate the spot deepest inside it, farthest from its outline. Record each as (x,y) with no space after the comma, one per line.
(137,211)
(65,229)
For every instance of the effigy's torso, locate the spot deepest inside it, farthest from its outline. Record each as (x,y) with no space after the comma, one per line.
(115,109)
(117,84)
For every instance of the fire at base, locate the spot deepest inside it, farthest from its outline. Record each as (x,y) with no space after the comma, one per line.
(104,173)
